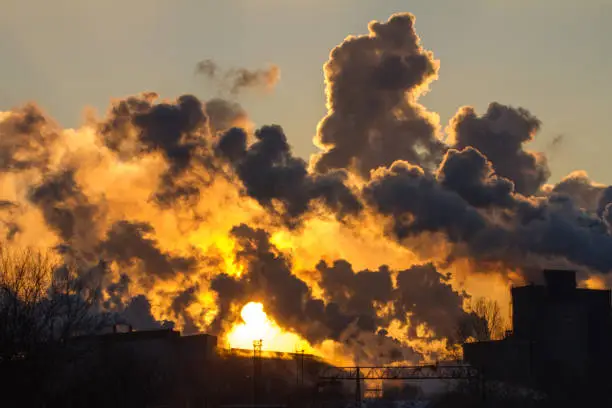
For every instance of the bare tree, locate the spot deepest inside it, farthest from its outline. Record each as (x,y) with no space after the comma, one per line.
(489,311)
(485,321)
(42,301)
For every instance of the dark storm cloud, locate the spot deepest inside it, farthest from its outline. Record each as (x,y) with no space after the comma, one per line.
(373,119)
(500,135)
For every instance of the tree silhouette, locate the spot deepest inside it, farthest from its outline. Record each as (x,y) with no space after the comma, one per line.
(43,302)
(485,321)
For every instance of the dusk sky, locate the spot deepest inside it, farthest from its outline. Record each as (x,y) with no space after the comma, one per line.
(549,56)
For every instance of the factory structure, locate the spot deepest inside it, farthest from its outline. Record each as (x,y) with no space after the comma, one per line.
(560,340)
(162,368)
(561,337)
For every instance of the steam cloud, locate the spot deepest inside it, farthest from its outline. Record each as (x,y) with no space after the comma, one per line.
(373,84)
(236,79)
(196,214)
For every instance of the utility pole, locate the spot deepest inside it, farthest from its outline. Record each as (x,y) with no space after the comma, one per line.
(358,388)
(299,366)
(257,345)
(302,370)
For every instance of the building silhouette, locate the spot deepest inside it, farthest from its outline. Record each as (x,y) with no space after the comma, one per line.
(560,338)
(162,368)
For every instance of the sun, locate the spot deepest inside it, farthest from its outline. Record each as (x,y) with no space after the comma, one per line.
(256,325)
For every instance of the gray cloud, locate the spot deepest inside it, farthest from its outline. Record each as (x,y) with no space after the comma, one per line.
(235,80)
(26,139)
(500,134)
(269,171)
(372,84)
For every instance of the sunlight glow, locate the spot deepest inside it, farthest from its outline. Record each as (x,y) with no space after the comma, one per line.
(258,326)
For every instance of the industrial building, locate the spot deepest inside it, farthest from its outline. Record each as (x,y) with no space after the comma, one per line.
(132,368)
(162,368)
(560,337)
(560,340)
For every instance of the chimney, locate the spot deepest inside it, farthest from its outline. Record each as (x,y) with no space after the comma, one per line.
(560,282)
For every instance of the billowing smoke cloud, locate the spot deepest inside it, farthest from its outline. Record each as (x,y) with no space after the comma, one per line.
(500,134)
(67,210)
(423,295)
(224,115)
(127,242)
(373,83)
(269,171)
(355,293)
(471,175)
(583,191)
(25,137)
(182,212)
(268,277)
(138,314)
(235,80)
(350,310)
(552,227)
(137,127)
(418,203)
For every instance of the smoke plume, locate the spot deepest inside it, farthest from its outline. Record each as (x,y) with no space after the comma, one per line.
(372,84)
(500,134)
(371,249)
(234,80)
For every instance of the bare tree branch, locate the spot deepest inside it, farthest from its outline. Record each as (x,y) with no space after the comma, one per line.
(484,323)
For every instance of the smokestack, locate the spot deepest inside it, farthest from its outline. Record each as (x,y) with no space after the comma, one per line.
(560,283)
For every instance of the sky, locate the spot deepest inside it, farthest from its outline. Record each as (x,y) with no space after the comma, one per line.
(552,57)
